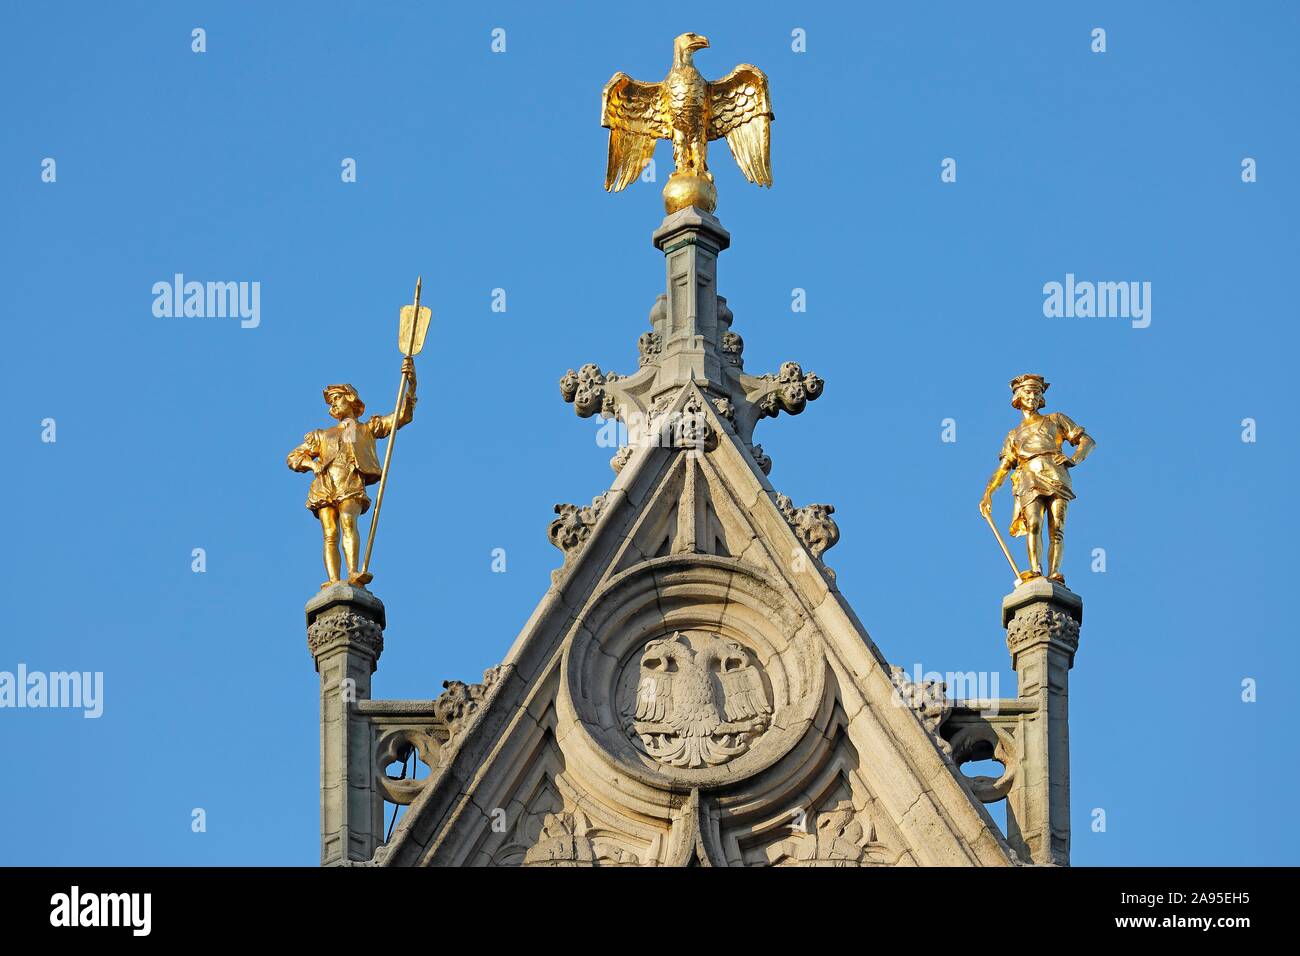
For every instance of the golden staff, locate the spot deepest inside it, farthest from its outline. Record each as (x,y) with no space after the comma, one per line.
(412,327)
(1003,545)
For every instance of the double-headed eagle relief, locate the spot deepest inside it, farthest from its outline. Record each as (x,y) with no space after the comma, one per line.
(699,702)
(689,110)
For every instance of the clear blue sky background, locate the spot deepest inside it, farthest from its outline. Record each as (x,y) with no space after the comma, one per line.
(484,171)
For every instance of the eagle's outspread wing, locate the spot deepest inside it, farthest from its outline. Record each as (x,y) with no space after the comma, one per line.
(742,689)
(654,697)
(654,692)
(633,113)
(741,110)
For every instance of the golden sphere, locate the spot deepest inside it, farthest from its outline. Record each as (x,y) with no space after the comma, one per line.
(688,189)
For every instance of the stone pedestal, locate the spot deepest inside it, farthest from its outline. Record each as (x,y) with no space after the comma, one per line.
(688,324)
(1042,621)
(345,634)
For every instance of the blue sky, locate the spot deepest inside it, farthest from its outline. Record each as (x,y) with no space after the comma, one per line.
(484,171)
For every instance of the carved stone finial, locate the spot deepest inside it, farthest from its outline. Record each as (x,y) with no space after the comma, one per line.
(733,347)
(621,458)
(725,409)
(572,529)
(928,699)
(649,345)
(460,701)
(691,429)
(789,391)
(586,390)
(812,524)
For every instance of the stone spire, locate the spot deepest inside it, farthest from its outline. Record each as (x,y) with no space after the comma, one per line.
(690,340)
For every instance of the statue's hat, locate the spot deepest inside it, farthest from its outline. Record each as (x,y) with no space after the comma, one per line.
(358,405)
(1026,379)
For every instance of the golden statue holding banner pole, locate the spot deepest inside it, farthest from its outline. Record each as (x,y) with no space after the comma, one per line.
(1040,477)
(344,461)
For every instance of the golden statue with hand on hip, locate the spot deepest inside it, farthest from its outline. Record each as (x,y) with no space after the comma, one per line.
(1040,477)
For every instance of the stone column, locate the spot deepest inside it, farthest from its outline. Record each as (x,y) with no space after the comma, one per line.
(345,634)
(1042,619)
(691,240)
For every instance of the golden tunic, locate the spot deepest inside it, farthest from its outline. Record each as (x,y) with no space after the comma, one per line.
(1033,449)
(348,458)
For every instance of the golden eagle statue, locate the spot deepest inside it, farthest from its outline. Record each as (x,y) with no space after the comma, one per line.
(689,110)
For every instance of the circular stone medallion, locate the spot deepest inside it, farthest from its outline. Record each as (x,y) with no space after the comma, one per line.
(689,672)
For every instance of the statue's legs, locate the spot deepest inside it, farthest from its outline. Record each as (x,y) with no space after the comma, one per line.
(1033,517)
(690,156)
(681,151)
(329,523)
(349,510)
(700,157)
(1056,532)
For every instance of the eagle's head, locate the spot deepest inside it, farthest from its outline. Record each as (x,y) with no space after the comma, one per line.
(686,44)
(664,655)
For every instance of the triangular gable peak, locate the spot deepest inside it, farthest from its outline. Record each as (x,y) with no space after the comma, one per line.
(692,689)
